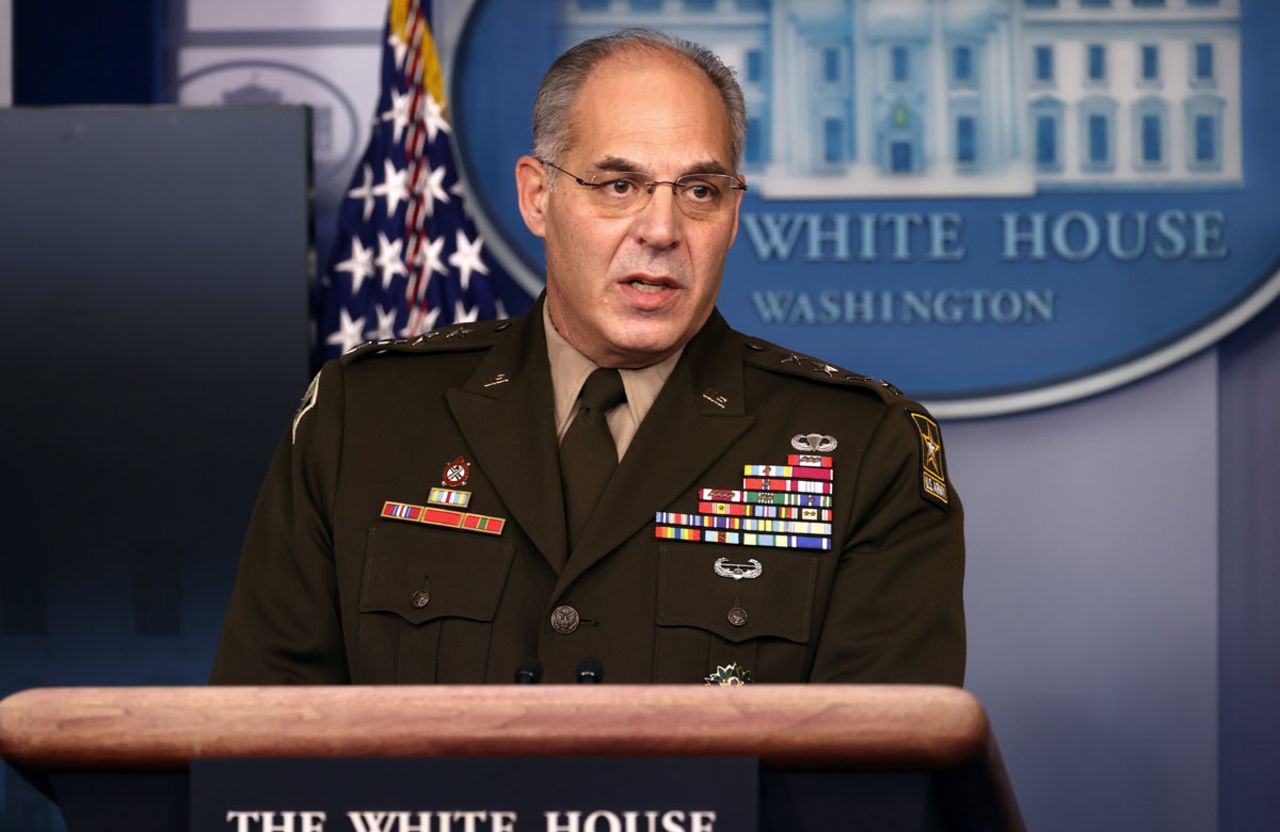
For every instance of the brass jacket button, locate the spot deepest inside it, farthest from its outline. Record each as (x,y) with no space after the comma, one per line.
(420,599)
(737,616)
(564,620)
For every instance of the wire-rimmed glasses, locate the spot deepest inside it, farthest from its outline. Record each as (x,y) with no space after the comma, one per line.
(622,193)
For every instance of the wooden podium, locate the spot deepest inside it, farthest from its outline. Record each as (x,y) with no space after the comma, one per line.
(831,756)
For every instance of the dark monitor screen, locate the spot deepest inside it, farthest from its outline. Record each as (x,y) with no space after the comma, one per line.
(153,344)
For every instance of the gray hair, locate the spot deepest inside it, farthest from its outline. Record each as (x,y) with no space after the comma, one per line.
(552,129)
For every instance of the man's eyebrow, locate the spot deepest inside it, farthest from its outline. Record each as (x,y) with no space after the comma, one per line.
(710,166)
(618,164)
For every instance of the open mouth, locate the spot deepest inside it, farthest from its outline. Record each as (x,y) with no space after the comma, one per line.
(648,286)
(649,293)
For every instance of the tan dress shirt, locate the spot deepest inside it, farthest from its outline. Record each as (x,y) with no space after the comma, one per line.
(569,371)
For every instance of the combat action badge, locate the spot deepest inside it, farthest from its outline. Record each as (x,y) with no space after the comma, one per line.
(933,469)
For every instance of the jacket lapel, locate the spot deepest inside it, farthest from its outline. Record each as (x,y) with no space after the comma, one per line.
(509,426)
(698,415)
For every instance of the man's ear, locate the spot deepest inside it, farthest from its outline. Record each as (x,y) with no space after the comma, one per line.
(532,191)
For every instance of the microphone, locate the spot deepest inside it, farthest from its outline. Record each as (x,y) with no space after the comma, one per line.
(590,671)
(529,671)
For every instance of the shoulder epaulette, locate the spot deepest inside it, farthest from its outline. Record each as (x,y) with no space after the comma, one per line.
(477,335)
(781,360)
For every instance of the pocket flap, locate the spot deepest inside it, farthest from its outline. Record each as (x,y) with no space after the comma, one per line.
(461,574)
(777,602)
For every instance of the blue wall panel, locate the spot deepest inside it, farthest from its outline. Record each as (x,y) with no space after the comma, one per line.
(1091,595)
(1249,576)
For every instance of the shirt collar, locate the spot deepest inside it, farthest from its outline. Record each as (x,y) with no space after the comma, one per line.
(570,368)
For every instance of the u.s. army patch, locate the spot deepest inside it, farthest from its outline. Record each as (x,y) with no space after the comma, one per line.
(308,402)
(933,467)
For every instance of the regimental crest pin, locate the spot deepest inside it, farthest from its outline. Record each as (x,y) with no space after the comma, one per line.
(933,466)
(456,473)
(729,676)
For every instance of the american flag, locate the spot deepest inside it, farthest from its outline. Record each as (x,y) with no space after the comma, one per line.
(407,256)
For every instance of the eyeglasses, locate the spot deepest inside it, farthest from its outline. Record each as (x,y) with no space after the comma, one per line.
(622,193)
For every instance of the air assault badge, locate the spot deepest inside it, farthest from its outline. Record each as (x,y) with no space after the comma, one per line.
(933,468)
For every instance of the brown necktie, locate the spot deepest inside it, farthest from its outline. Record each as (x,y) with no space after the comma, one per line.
(588,455)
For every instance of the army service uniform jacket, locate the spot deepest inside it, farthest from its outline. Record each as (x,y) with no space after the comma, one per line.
(331,591)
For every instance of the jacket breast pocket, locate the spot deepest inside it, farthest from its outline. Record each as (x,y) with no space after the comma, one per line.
(719,605)
(427,602)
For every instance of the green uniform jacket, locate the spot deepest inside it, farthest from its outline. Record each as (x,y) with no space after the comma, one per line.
(331,592)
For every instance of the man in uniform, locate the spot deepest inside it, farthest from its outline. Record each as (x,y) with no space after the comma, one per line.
(618,474)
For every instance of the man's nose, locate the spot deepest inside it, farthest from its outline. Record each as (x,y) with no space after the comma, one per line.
(658,223)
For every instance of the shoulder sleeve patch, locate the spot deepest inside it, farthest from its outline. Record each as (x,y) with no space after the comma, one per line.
(933,465)
(308,402)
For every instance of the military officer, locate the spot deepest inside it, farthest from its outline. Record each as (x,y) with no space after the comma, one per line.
(618,474)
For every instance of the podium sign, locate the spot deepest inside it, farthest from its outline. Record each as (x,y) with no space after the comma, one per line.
(581,794)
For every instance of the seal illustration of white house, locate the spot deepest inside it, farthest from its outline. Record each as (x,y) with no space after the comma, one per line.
(941,98)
